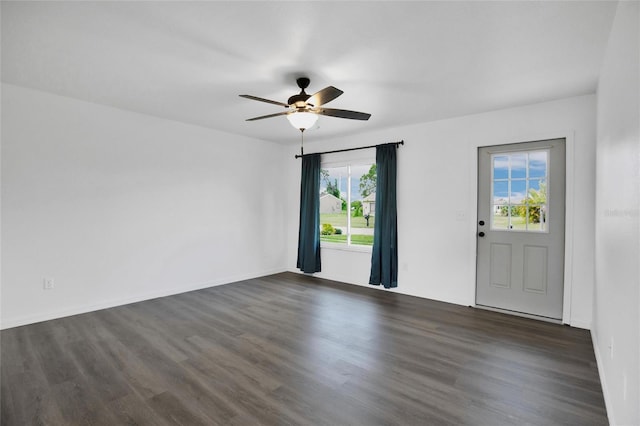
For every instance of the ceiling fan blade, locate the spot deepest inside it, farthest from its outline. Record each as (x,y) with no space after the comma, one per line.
(269,101)
(324,96)
(343,113)
(269,116)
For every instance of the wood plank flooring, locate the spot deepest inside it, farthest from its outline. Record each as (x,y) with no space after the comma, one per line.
(291,349)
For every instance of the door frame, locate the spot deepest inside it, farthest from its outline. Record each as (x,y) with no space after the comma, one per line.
(569,137)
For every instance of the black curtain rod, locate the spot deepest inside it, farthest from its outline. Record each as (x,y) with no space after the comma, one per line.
(351,149)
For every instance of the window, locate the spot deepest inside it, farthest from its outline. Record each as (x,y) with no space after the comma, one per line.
(519,191)
(348,203)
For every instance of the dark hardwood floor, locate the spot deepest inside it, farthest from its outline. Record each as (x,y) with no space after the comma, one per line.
(290,349)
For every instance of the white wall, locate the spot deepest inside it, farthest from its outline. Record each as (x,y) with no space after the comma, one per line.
(118,206)
(437,170)
(617,299)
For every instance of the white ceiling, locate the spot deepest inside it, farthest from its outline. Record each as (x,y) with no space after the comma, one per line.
(403,62)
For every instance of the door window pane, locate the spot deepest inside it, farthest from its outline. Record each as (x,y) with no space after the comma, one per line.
(500,217)
(501,167)
(518,163)
(501,192)
(536,220)
(519,191)
(536,184)
(538,164)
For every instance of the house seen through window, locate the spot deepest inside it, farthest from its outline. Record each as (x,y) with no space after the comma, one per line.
(348,204)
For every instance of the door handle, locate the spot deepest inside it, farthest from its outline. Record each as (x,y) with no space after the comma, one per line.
(480,234)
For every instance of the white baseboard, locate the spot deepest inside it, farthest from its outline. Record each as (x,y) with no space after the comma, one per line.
(605,390)
(329,277)
(577,323)
(398,290)
(76,310)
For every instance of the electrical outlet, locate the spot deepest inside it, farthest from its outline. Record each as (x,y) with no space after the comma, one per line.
(48,283)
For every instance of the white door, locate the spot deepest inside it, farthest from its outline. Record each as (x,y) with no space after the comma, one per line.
(520,233)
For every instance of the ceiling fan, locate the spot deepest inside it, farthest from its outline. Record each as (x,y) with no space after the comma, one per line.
(303,109)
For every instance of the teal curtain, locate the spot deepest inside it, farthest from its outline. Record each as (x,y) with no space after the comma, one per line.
(309,232)
(384,257)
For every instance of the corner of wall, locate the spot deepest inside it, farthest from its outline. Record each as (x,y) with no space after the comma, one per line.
(603,380)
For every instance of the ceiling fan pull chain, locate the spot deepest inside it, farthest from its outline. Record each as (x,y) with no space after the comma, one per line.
(301,141)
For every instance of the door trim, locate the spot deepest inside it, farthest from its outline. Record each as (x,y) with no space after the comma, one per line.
(569,137)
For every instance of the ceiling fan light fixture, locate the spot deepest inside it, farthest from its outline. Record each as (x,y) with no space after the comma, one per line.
(302,120)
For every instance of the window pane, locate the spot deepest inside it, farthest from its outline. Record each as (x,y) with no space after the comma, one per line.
(543,217)
(536,220)
(518,191)
(534,184)
(518,166)
(361,234)
(538,164)
(518,217)
(537,192)
(500,217)
(500,192)
(363,203)
(500,167)
(333,207)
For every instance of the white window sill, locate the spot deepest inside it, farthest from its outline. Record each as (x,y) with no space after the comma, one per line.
(344,247)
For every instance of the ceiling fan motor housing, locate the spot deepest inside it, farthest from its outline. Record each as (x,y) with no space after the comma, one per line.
(300,100)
